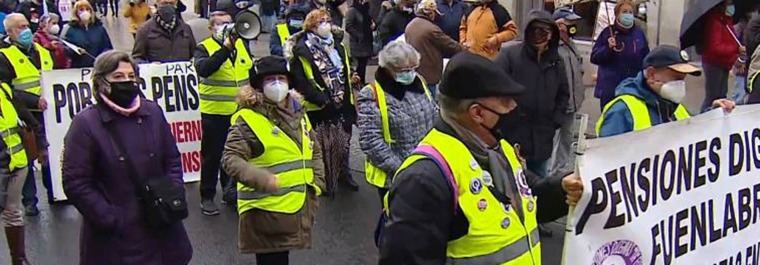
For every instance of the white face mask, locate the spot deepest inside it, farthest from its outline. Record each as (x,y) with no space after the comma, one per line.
(54,29)
(324,30)
(85,16)
(219,30)
(276,91)
(674,91)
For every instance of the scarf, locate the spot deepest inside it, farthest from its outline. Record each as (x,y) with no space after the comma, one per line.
(327,46)
(491,159)
(167,25)
(118,109)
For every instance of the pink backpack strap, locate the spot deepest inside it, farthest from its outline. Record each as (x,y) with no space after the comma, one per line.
(433,154)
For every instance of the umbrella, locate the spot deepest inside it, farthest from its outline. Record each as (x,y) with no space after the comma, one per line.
(692,24)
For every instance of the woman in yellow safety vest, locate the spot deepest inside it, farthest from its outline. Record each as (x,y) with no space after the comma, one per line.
(395,113)
(272,153)
(322,74)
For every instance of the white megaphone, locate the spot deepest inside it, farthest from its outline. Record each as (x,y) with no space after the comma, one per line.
(247,23)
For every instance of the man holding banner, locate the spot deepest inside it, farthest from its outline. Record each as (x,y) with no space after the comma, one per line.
(21,62)
(463,196)
(653,96)
(222,62)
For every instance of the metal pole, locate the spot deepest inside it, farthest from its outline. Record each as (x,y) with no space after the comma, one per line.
(580,149)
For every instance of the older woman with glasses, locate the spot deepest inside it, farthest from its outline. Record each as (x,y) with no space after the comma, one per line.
(395,112)
(122,142)
(323,75)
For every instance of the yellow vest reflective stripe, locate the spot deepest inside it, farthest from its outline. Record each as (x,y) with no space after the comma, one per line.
(9,130)
(374,175)
(496,233)
(283,32)
(291,164)
(751,82)
(639,112)
(218,91)
(27,75)
(309,72)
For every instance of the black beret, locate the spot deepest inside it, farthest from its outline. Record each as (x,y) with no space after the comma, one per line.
(469,75)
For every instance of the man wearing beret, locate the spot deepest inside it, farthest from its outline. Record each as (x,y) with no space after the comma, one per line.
(654,96)
(464,195)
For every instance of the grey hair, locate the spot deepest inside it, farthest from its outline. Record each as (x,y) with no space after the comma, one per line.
(453,107)
(105,64)
(49,16)
(397,53)
(12,17)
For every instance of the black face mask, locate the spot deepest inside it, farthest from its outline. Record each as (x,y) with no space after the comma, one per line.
(123,93)
(167,13)
(503,125)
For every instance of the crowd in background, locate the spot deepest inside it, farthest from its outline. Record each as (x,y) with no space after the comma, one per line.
(324,47)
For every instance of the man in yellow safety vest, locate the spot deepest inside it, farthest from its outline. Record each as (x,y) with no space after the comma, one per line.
(294,19)
(222,63)
(464,195)
(654,96)
(21,65)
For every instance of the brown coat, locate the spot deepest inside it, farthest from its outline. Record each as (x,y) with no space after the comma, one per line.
(480,25)
(433,45)
(263,231)
(154,44)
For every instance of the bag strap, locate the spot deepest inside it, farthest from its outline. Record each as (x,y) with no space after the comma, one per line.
(131,168)
(432,153)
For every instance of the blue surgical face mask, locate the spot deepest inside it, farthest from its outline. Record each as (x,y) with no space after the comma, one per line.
(730,10)
(406,77)
(626,20)
(296,23)
(25,38)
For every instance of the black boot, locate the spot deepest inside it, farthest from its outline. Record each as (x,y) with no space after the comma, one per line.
(15,237)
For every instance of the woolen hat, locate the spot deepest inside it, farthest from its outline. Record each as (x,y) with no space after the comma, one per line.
(469,76)
(269,65)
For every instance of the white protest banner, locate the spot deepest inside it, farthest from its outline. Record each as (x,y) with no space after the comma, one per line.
(685,192)
(174,86)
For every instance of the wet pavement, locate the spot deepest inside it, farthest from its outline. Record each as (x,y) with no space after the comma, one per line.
(345,224)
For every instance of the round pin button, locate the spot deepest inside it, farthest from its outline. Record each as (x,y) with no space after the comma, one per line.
(505,223)
(506,207)
(482,205)
(531,205)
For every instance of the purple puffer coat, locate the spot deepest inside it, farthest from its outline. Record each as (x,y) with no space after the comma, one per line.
(97,183)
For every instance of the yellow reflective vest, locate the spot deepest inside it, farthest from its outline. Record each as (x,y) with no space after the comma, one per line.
(283,32)
(27,75)
(639,112)
(290,163)
(218,91)
(9,129)
(496,233)
(374,175)
(309,72)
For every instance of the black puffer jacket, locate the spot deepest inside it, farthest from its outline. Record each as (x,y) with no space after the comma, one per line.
(542,106)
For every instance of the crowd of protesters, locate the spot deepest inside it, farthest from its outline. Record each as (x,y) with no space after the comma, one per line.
(277,127)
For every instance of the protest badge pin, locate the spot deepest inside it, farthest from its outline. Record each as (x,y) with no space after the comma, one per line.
(473,164)
(275,131)
(505,223)
(476,186)
(531,205)
(482,205)
(507,207)
(487,178)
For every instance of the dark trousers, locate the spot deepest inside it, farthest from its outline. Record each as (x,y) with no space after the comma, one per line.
(29,191)
(215,129)
(361,67)
(276,258)
(716,84)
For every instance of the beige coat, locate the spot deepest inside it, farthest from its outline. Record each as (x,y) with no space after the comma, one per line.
(262,231)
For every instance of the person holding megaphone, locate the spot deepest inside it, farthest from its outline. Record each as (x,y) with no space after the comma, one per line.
(222,62)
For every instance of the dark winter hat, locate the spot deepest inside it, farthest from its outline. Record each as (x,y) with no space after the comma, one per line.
(469,75)
(565,13)
(671,57)
(269,65)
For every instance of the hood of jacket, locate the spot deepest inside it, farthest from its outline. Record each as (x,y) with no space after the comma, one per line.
(293,43)
(637,86)
(543,17)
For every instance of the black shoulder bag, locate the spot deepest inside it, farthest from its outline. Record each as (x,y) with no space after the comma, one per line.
(162,201)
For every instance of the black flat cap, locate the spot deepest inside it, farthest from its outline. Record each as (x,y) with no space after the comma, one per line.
(469,75)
